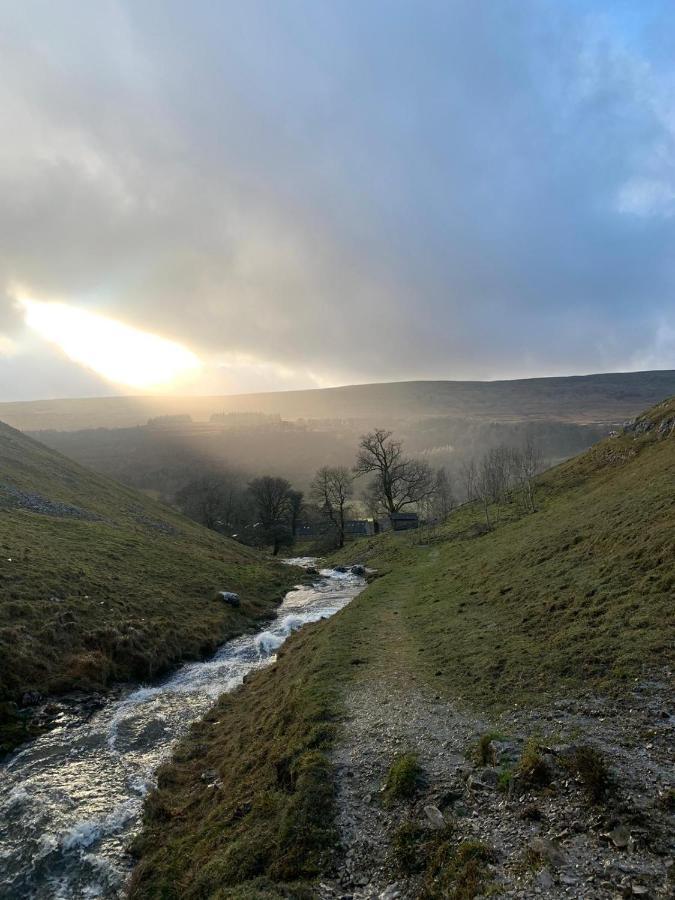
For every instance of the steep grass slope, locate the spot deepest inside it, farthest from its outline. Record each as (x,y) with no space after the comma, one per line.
(574,597)
(98,583)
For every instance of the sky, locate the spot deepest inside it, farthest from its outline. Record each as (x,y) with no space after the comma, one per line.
(222,197)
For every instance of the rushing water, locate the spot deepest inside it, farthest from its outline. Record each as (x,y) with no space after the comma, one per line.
(72,799)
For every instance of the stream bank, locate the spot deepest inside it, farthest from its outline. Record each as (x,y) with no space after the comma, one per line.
(72,800)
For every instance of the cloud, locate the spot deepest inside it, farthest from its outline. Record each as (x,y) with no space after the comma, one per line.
(123,355)
(312,192)
(647,197)
(7,346)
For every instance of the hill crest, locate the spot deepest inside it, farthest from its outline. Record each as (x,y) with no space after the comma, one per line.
(603,397)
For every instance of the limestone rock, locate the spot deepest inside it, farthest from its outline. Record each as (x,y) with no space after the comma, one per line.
(434,816)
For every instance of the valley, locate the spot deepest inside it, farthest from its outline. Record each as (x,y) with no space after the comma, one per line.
(536,656)
(490,715)
(337,450)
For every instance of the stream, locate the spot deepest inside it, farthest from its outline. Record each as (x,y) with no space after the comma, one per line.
(71,800)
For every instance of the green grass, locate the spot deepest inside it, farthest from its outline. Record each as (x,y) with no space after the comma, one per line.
(403,779)
(122,594)
(572,598)
(578,594)
(272,819)
(406,847)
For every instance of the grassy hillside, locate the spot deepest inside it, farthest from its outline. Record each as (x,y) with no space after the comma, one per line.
(98,583)
(607,397)
(575,597)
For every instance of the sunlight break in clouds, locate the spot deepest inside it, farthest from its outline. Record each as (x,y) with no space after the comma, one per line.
(116,351)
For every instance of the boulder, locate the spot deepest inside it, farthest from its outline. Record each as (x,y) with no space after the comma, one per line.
(620,837)
(391,892)
(549,851)
(544,880)
(230,598)
(312,570)
(341,569)
(485,780)
(31,698)
(434,816)
(504,753)
(358,570)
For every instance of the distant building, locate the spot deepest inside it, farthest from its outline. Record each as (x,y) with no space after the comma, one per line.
(245,420)
(404,521)
(307,530)
(359,527)
(353,528)
(172,421)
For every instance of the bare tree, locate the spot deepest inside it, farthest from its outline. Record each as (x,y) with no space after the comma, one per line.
(332,489)
(215,500)
(469,475)
(527,464)
(296,505)
(399,481)
(271,497)
(442,499)
(501,470)
(493,480)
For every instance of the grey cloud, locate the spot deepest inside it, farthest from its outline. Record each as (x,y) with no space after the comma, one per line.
(360,191)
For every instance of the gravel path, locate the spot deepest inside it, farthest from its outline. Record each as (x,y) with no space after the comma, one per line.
(548,842)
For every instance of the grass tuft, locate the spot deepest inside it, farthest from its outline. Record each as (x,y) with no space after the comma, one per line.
(457,872)
(403,779)
(532,767)
(483,751)
(407,847)
(588,765)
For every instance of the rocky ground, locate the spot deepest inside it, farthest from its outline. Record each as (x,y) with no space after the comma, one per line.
(543,833)
(13,498)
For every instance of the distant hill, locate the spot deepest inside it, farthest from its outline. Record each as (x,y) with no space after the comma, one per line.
(583,399)
(100,583)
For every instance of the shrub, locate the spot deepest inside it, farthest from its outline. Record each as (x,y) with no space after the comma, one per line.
(532,860)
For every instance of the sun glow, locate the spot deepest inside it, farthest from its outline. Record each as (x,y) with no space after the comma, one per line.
(118,352)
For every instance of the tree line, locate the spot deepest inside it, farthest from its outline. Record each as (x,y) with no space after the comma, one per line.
(267,511)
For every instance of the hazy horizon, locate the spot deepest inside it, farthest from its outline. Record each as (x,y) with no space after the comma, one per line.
(235,198)
(279,390)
